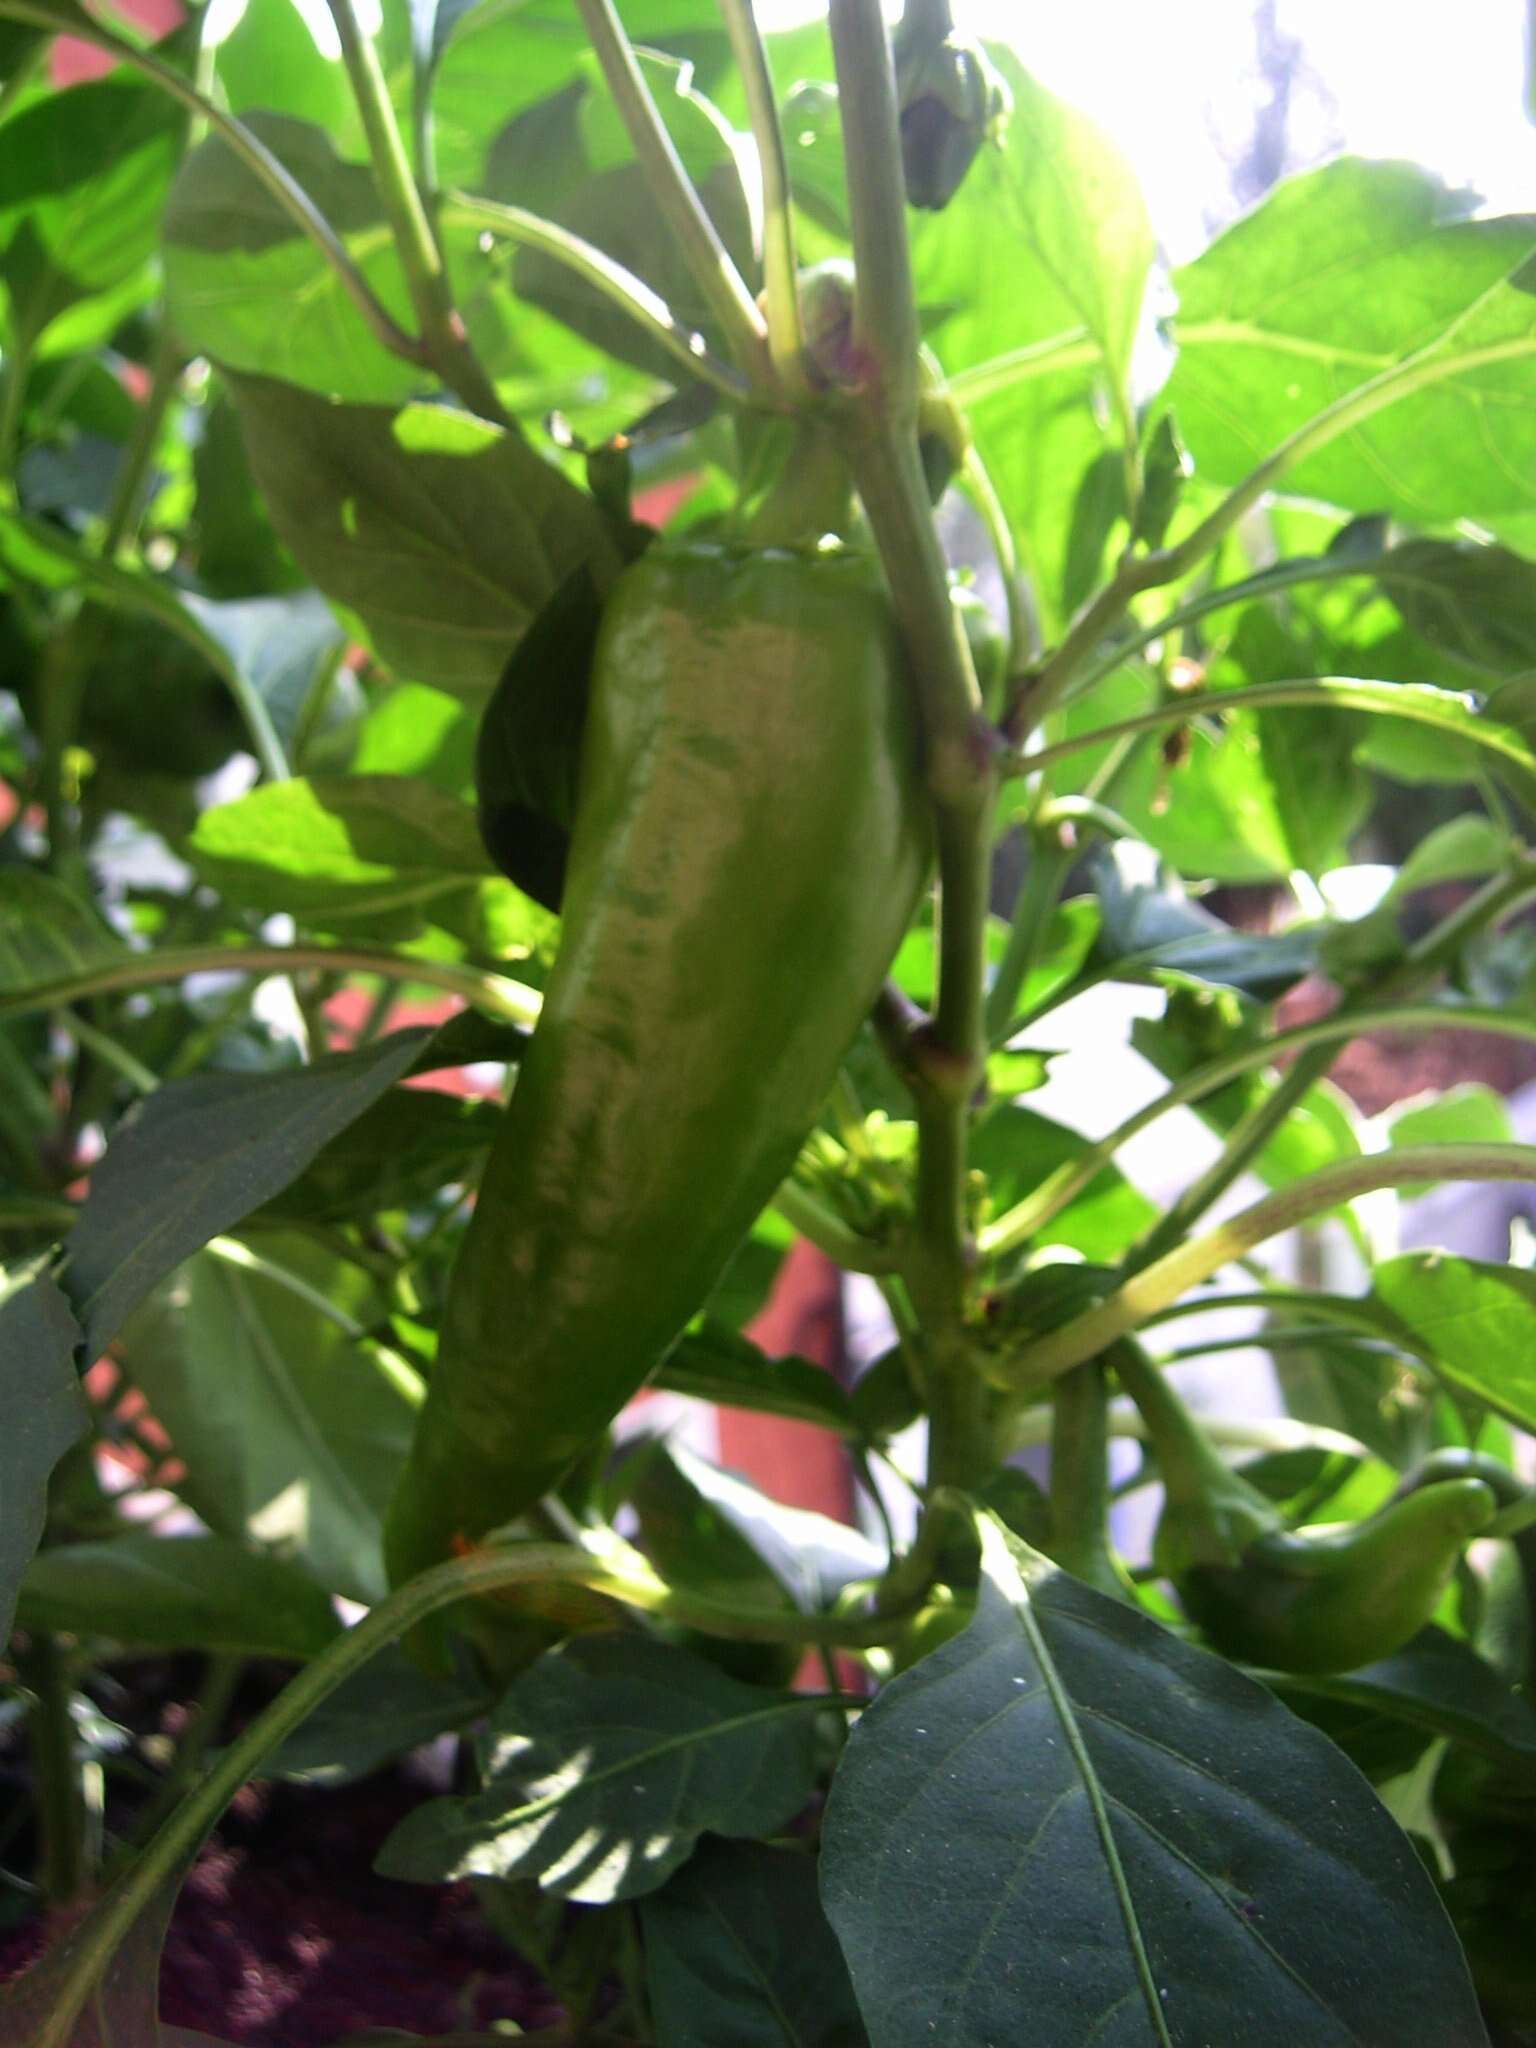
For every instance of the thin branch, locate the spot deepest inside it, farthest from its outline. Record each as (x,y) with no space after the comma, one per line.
(786,340)
(1159,1285)
(631,294)
(707,257)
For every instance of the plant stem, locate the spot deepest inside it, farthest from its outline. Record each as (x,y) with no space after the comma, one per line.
(630,294)
(943,1061)
(1420,966)
(94,1941)
(724,289)
(46,1671)
(143,1080)
(781,291)
(1080,1479)
(1159,1285)
(1020,1223)
(258,159)
(846,1247)
(1137,573)
(493,993)
(443,339)
(123,512)
(885,331)
(1420,705)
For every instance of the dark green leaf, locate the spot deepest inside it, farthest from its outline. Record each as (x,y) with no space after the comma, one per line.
(178,1593)
(1443,1687)
(1151,928)
(605,1762)
(1069,1813)
(528,750)
(196,1157)
(47,932)
(286,649)
(376,1715)
(438,536)
(401,1150)
(1477,602)
(1472,1323)
(713,1363)
(292,1429)
(738,1950)
(742,1536)
(45,1413)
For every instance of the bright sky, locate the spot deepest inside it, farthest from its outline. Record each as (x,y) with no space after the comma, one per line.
(1442,84)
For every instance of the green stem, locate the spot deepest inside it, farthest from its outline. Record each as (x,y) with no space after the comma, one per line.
(1050,859)
(258,159)
(14,371)
(493,993)
(1419,705)
(1419,967)
(846,1247)
(442,329)
(1080,1479)
(123,512)
(885,330)
(1020,1223)
(709,261)
(220,1684)
(630,294)
(143,1080)
(47,1674)
(1160,1284)
(786,340)
(982,492)
(1137,573)
(97,1939)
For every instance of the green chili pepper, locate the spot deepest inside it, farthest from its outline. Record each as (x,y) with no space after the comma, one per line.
(1293,1600)
(751,834)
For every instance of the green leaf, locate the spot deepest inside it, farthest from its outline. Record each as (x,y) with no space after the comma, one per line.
(402,1149)
(45,1413)
(713,1363)
(197,1156)
(247,288)
(1068,1812)
(738,1949)
(604,1763)
(438,536)
(1150,928)
(1468,1114)
(82,177)
(379,1713)
(1339,276)
(178,1593)
(270,63)
(1473,601)
(1016,1148)
(47,932)
(338,846)
(496,59)
(1471,1323)
(292,1430)
(285,649)
(571,160)
(1463,849)
(809,1557)
(1441,1686)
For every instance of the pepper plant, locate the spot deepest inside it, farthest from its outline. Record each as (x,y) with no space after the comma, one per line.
(641,526)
